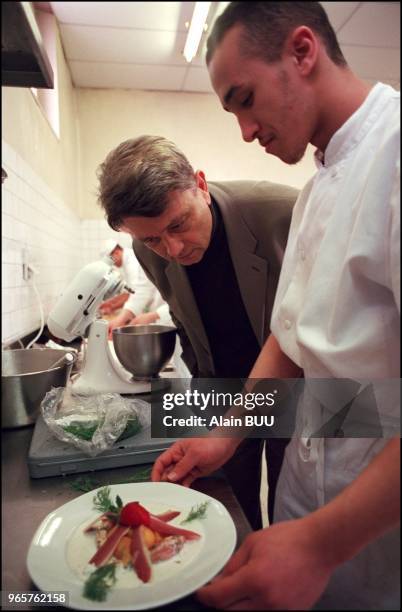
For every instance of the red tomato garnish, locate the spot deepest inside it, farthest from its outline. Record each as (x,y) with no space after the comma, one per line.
(133,515)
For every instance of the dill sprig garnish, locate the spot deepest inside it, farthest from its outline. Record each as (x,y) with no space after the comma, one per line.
(140,476)
(197,512)
(86,483)
(99,582)
(103,502)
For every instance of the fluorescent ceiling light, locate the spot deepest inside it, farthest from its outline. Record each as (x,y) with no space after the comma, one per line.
(196,29)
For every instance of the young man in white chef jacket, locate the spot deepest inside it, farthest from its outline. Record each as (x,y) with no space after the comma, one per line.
(278,68)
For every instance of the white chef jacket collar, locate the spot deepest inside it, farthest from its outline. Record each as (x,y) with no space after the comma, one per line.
(352,132)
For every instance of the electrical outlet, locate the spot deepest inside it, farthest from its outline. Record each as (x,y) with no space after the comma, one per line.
(26,270)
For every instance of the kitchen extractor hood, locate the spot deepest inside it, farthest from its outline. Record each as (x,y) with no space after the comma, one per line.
(24,61)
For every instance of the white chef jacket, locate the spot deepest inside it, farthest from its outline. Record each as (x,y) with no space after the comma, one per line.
(146,296)
(337,315)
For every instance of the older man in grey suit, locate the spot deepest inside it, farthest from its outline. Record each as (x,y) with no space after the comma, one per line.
(214,252)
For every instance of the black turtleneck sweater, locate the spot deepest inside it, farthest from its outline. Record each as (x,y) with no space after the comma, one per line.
(213,280)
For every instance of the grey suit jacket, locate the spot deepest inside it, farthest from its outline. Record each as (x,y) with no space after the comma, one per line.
(256,216)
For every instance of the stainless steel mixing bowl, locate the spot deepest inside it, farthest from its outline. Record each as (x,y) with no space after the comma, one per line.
(26,376)
(144,350)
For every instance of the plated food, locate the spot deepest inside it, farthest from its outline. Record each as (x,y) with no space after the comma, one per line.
(65,542)
(131,536)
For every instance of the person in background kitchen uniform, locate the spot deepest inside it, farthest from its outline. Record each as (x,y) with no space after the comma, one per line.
(125,261)
(278,68)
(214,251)
(142,307)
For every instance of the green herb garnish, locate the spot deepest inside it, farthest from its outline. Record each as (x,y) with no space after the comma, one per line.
(197,512)
(85,431)
(85,484)
(141,475)
(99,582)
(132,428)
(103,502)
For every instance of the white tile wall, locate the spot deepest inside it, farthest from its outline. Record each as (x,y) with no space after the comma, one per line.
(34,220)
(56,241)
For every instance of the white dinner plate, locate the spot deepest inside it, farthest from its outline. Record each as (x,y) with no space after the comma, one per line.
(59,552)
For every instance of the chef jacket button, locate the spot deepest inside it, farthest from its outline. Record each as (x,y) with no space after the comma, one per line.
(334,173)
(304,449)
(306,453)
(288,324)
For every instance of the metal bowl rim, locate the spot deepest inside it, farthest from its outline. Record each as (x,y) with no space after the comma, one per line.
(138,330)
(59,367)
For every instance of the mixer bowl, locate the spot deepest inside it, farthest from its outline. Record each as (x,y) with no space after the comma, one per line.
(144,350)
(26,376)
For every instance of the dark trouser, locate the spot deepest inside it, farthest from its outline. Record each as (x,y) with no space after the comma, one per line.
(274,453)
(243,472)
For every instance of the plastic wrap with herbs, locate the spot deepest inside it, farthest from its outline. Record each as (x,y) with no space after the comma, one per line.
(93,423)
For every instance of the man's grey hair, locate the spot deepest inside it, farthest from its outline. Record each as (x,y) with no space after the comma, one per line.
(137,176)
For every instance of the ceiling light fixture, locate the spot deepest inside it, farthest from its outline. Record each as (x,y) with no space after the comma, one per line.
(196,29)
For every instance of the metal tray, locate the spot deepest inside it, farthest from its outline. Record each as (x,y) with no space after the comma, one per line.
(49,457)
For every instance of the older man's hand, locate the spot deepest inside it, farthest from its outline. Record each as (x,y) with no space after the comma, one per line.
(277,568)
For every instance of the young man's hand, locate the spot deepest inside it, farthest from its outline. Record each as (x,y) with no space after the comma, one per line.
(277,568)
(192,458)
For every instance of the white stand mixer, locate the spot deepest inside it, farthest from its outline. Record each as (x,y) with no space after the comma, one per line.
(75,311)
(102,372)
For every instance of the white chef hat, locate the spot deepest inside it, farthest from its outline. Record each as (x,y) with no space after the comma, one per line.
(109,246)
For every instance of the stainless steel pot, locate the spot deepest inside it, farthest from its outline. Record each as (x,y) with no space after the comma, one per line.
(26,376)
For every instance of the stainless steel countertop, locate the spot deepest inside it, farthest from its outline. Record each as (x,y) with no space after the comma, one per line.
(26,502)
